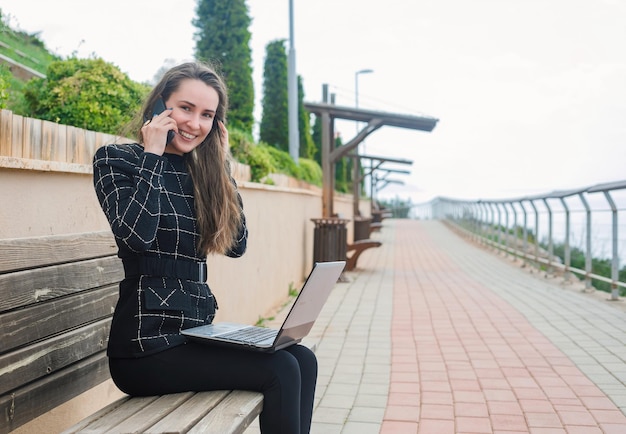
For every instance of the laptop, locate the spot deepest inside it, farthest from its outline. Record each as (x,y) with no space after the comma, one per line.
(297,324)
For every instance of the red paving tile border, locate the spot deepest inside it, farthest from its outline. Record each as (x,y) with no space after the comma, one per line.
(482,367)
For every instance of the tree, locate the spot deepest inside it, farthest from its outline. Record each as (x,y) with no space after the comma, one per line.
(85,93)
(223,39)
(317,138)
(343,170)
(274,129)
(399,208)
(307,145)
(343,167)
(5,84)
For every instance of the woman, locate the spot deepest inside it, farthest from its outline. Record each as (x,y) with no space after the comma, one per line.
(170,202)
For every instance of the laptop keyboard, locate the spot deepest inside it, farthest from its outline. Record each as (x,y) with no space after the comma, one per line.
(250,334)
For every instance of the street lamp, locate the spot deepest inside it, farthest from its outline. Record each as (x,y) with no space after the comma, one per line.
(356,90)
(292,92)
(356,84)
(357,169)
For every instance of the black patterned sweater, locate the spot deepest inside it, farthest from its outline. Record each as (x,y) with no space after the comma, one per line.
(149,203)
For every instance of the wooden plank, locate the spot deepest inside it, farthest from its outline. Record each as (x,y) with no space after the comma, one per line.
(19,327)
(24,288)
(81,426)
(143,419)
(22,253)
(51,355)
(107,421)
(17,137)
(6,132)
(189,413)
(232,415)
(86,152)
(32,145)
(50,141)
(76,142)
(31,401)
(60,153)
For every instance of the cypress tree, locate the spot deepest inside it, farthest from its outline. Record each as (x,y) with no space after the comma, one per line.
(274,129)
(307,146)
(223,39)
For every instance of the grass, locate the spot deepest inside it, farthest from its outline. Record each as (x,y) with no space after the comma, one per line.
(292,293)
(24,48)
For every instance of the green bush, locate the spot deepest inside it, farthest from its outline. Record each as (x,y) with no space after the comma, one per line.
(310,171)
(261,162)
(86,93)
(264,159)
(5,85)
(283,161)
(245,151)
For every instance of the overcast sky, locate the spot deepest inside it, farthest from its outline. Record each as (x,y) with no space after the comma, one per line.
(530,94)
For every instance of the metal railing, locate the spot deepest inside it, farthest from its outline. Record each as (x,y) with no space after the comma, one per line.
(520,226)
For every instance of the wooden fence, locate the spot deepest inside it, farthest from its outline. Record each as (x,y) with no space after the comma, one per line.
(35,139)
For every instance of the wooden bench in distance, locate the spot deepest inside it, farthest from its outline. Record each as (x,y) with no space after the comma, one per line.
(357,248)
(375,227)
(57,296)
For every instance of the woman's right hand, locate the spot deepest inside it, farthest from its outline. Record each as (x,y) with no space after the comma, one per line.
(154,132)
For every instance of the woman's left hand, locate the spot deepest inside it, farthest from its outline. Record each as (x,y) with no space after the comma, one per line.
(223,136)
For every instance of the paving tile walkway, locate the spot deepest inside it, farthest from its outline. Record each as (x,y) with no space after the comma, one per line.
(433,334)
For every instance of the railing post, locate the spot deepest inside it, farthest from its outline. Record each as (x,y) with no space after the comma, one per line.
(532,203)
(499,235)
(494,235)
(513,235)
(506,229)
(588,261)
(567,252)
(524,231)
(550,243)
(483,220)
(615,259)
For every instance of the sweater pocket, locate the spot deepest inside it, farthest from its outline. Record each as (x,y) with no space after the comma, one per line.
(164,293)
(182,303)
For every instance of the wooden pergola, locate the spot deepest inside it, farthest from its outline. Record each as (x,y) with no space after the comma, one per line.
(375,163)
(373,120)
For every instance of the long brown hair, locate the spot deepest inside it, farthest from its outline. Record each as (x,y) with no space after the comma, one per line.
(217,207)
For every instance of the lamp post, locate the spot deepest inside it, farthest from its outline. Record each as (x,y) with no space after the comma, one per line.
(357,161)
(356,84)
(356,90)
(292,92)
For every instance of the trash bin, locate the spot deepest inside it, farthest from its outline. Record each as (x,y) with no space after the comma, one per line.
(362,228)
(377,216)
(330,239)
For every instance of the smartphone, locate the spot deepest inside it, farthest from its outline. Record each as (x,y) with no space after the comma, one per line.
(159,107)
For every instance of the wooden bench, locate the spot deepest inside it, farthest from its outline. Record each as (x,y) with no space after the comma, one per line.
(57,296)
(228,411)
(375,227)
(357,248)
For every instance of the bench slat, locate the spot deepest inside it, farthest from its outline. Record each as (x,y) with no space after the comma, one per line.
(23,288)
(83,424)
(191,412)
(104,421)
(151,414)
(25,404)
(20,327)
(23,253)
(46,357)
(233,415)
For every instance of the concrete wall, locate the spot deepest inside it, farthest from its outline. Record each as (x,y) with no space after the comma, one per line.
(46,198)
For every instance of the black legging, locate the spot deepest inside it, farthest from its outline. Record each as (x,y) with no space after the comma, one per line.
(286,378)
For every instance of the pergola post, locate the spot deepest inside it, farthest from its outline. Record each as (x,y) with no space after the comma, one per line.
(374,120)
